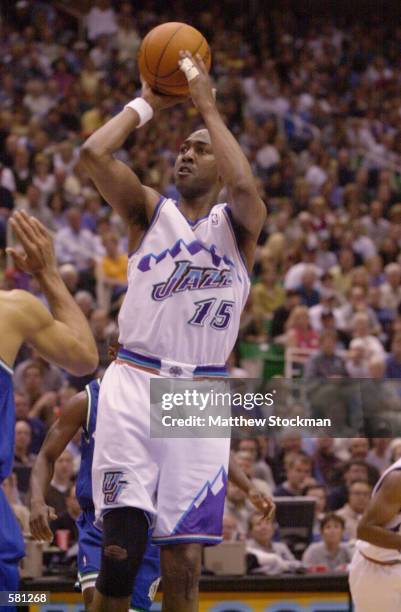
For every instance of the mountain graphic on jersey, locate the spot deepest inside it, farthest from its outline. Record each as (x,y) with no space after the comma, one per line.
(203,515)
(196,246)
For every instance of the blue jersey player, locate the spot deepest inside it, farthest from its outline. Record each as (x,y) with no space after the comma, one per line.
(62,336)
(81,411)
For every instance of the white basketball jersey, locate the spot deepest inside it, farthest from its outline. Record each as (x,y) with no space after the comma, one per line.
(187,286)
(376,552)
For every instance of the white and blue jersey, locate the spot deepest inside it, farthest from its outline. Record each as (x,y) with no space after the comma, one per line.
(187,286)
(90,538)
(11,541)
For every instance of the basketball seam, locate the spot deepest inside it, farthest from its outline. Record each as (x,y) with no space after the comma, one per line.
(164,50)
(165,76)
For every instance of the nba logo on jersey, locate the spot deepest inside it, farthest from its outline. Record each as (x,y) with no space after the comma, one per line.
(215,218)
(112,486)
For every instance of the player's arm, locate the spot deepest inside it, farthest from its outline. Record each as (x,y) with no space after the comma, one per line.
(383,506)
(58,436)
(248,209)
(117,183)
(64,336)
(238,477)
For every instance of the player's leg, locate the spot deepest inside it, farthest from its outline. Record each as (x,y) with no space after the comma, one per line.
(181,568)
(191,494)
(124,478)
(125,536)
(11,548)
(89,555)
(147,579)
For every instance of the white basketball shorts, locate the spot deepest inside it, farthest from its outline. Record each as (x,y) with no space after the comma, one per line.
(373,586)
(179,482)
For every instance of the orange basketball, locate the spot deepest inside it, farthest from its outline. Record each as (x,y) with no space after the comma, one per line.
(159,55)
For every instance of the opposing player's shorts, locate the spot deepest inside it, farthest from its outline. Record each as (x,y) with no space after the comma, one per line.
(12,549)
(179,482)
(374,586)
(89,557)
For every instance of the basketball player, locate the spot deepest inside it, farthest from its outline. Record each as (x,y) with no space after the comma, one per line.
(188,281)
(62,337)
(375,571)
(81,411)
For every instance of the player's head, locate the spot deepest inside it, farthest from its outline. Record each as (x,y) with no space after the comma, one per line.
(195,169)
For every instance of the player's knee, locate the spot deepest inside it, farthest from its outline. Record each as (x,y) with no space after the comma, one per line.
(182,567)
(125,535)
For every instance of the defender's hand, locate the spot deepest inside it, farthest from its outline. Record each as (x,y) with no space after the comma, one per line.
(41,514)
(159,101)
(199,81)
(262,503)
(38,256)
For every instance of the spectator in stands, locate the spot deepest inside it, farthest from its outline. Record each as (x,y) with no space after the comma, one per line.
(34,205)
(230,528)
(101,20)
(61,483)
(326,464)
(319,494)
(307,289)
(76,245)
(237,505)
(357,361)
(298,470)
(67,519)
(102,326)
(268,294)
(51,377)
(354,470)
(70,276)
(289,442)
(326,363)
(299,332)
(361,331)
(358,496)
(247,461)
(23,438)
(281,314)
(32,384)
(393,361)
(379,454)
(114,264)
(391,289)
(331,554)
(359,450)
(37,427)
(269,557)
(86,302)
(260,468)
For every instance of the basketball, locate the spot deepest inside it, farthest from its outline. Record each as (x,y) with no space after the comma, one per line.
(159,56)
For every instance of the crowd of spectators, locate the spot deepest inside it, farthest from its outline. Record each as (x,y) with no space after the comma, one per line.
(316,107)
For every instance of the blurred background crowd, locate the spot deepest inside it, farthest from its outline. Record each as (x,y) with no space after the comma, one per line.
(315,103)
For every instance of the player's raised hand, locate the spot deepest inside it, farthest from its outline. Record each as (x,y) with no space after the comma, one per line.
(199,82)
(38,254)
(262,503)
(159,101)
(40,516)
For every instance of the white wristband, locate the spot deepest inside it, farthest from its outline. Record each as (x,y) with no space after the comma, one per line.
(143,108)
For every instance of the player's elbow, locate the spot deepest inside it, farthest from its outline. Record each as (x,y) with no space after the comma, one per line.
(362,531)
(86,363)
(89,155)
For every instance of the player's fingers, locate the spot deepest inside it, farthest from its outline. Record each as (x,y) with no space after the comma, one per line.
(18,259)
(22,230)
(40,228)
(201,63)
